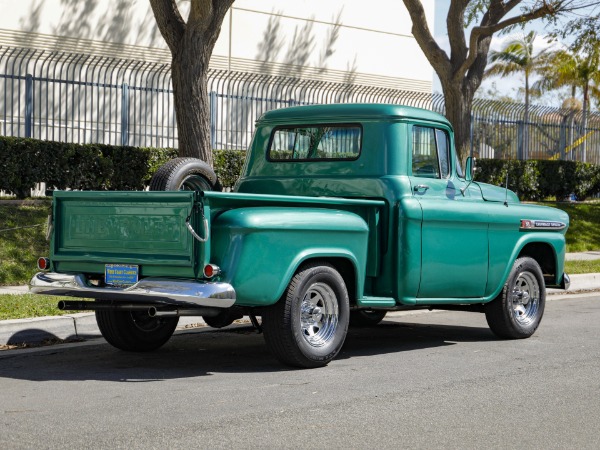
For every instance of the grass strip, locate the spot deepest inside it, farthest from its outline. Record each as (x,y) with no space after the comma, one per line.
(584,229)
(578,267)
(22,241)
(25,306)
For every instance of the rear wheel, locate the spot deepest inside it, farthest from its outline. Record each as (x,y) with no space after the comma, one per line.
(517,312)
(308,326)
(135,331)
(185,174)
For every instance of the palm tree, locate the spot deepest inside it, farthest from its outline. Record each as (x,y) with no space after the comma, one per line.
(564,68)
(515,57)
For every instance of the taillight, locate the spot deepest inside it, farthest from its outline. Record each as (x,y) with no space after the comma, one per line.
(210,271)
(43,263)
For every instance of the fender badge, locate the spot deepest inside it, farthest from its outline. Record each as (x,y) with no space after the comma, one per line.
(528,224)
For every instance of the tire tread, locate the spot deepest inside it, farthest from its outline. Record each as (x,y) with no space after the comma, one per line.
(164,179)
(497,313)
(277,323)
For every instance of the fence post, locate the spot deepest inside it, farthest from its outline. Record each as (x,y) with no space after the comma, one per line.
(125,115)
(28,104)
(520,139)
(213,120)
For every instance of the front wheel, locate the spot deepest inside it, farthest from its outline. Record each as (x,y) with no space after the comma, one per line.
(135,331)
(308,326)
(517,312)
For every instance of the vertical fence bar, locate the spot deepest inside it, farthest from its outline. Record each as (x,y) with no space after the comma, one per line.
(213,120)
(471,133)
(28,104)
(125,115)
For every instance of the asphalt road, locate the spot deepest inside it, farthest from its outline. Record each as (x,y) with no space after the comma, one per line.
(430,380)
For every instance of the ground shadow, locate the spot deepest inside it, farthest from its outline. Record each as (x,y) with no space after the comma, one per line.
(203,352)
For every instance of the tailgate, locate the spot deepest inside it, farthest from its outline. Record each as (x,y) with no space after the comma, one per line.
(147,229)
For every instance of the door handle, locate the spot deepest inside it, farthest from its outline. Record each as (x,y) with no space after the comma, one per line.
(421,187)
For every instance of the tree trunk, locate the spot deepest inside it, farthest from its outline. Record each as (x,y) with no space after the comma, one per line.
(190,92)
(458,111)
(191,44)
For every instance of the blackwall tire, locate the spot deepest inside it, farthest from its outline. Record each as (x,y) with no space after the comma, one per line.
(188,174)
(135,331)
(366,317)
(307,327)
(517,312)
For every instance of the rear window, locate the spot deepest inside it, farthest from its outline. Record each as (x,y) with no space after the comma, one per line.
(315,143)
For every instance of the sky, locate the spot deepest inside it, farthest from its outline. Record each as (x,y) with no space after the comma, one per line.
(503,85)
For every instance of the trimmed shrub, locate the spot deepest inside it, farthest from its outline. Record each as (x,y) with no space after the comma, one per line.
(228,165)
(539,180)
(25,162)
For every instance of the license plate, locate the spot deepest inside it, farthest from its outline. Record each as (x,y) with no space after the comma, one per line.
(121,274)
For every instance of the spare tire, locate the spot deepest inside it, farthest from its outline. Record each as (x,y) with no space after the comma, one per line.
(185,174)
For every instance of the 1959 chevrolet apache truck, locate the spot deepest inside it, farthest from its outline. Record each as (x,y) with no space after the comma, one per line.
(342,213)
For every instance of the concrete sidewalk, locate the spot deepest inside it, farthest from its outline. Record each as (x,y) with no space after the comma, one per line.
(83,325)
(583,256)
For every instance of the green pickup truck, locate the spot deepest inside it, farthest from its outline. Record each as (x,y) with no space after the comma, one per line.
(342,213)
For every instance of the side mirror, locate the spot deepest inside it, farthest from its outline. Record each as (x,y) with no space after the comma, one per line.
(470,169)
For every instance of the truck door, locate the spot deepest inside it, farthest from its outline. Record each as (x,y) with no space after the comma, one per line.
(455,226)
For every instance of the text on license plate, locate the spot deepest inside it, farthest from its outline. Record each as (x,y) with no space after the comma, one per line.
(121,274)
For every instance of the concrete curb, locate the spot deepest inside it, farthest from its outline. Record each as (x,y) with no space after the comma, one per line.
(72,326)
(83,325)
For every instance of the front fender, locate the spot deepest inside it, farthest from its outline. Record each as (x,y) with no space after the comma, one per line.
(259,249)
(499,274)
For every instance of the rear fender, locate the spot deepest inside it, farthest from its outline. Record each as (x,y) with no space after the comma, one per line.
(260,249)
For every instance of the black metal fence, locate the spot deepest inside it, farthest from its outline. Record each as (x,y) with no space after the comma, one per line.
(83,99)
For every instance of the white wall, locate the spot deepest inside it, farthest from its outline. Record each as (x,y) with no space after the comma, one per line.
(373,38)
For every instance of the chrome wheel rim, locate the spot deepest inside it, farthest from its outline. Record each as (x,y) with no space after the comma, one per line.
(194,183)
(525,298)
(319,314)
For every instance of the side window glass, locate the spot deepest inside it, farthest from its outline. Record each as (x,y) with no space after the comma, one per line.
(424,153)
(443,146)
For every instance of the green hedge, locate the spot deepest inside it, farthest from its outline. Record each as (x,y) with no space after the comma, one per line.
(540,180)
(25,162)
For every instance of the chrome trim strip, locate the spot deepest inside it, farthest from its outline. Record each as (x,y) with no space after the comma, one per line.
(178,292)
(535,225)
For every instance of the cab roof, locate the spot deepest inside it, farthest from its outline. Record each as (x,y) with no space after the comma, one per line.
(349,112)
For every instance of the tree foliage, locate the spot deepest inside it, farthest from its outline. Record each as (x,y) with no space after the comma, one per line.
(461,70)
(517,56)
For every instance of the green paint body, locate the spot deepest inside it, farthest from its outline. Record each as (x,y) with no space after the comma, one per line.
(452,243)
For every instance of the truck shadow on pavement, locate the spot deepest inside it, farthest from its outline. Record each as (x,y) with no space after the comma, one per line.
(207,352)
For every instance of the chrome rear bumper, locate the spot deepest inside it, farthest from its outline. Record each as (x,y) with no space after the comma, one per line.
(176,292)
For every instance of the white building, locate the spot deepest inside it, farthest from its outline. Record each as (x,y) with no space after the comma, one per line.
(99,68)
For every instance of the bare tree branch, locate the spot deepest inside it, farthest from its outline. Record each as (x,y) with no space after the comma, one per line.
(436,56)
(456,34)
(479,33)
(169,21)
